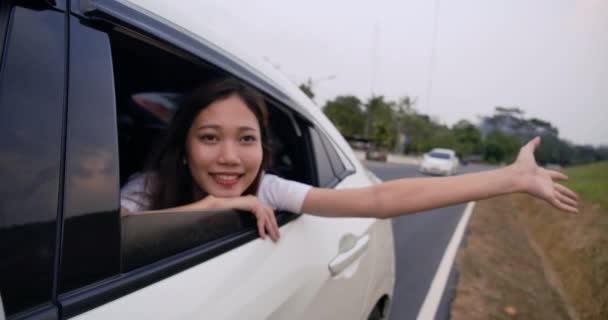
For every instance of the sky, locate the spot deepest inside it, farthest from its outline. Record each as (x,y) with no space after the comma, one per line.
(458,59)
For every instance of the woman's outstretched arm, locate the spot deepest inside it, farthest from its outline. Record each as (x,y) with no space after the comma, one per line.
(402,196)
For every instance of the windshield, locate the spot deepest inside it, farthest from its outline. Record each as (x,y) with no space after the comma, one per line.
(439,155)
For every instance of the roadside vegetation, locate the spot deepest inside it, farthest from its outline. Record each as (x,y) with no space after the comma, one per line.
(524,259)
(396,126)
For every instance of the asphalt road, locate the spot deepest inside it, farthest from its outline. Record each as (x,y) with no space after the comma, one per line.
(420,241)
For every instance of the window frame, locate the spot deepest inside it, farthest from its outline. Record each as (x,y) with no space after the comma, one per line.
(80,300)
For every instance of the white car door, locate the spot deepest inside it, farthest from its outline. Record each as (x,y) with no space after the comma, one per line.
(320,269)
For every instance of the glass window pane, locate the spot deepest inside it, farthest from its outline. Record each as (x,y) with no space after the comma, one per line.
(31,113)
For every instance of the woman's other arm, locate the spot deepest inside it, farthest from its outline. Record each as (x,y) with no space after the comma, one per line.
(402,196)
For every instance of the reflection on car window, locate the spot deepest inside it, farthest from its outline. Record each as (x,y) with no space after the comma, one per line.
(324,167)
(336,162)
(31,105)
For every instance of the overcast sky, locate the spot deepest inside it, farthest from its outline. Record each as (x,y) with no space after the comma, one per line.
(549,57)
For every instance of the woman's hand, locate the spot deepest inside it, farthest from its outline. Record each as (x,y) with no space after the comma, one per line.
(539,182)
(267,222)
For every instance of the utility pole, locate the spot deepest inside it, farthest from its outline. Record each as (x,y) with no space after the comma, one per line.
(429,89)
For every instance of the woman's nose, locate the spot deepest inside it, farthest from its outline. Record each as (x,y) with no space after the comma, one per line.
(229,154)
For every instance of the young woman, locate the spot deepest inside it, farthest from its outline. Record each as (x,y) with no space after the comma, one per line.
(217,150)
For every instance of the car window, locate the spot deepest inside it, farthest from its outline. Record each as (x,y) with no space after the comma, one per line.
(439,155)
(5,9)
(323,161)
(334,158)
(31,124)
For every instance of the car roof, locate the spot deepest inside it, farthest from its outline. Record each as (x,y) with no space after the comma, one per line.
(184,16)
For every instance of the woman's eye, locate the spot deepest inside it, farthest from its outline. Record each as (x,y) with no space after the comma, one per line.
(249,139)
(208,138)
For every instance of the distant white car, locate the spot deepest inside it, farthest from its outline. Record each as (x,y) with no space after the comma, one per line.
(439,161)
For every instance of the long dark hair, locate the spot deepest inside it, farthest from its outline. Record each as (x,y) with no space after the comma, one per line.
(170,183)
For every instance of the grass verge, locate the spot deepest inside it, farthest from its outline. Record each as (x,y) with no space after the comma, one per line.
(590,182)
(524,259)
(501,275)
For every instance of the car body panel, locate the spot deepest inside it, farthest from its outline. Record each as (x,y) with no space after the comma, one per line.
(263,280)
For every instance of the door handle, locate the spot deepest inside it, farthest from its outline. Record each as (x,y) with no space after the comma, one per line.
(351,248)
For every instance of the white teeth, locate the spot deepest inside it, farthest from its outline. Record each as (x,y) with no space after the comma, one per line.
(226,177)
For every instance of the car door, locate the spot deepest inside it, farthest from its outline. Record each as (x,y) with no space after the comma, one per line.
(228,276)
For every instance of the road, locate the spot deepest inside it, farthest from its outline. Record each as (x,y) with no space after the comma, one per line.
(420,241)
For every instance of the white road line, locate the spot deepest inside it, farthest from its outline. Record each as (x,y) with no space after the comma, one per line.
(433,296)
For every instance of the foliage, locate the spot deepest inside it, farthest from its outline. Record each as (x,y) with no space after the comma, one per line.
(382,125)
(496,139)
(500,147)
(347,115)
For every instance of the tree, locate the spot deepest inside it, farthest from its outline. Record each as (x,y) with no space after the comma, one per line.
(380,124)
(468,139)
(346,114)
(500,147)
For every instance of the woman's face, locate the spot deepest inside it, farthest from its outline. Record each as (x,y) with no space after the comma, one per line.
(224,148)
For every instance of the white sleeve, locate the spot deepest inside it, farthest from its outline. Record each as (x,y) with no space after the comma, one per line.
(282,194)
(133,195)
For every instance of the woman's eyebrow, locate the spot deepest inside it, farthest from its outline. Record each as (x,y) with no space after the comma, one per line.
(217,127)
(208,126)
(247,128)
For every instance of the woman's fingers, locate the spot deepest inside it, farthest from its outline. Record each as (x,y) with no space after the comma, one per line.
(261,225)
(556,175)
(565,191)
(265,216)
(534,143)
(266,220)
(562,206)
(275,225)
(566,200)
(565,207)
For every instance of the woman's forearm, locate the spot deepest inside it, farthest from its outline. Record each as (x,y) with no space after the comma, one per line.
(420,194)
(409,195)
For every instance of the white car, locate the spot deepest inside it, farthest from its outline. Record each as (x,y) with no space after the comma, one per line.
(439,161)
(85,87)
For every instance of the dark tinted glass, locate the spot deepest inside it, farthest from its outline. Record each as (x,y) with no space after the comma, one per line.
(31,113)
(91,235)
(4,14)
(439,155)
(336,162)
(324,167)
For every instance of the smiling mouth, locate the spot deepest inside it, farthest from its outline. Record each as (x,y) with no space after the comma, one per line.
(226,179)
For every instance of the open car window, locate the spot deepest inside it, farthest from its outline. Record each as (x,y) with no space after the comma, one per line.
(126,89)
(149,88)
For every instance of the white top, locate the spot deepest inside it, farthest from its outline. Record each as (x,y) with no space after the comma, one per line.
(279,193)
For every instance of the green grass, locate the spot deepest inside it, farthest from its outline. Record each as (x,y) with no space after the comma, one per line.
(590,182)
